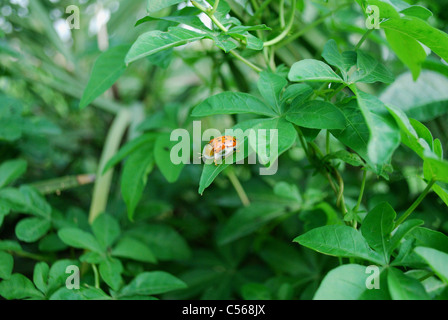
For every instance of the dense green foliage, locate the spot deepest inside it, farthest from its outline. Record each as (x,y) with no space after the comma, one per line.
(86,177)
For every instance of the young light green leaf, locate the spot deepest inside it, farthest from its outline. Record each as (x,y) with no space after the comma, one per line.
(408,50)
(110,271)
(6,265)
(32,229)
(135,175)
(107,69)
(437,260)
(403,287)
(317,115)
(106,230)
(339,241)
(155,41)
(421,31)
(11,170)
(312,70)
(133,249)
(162,152)
(80,239)
(154,282)
(232,103)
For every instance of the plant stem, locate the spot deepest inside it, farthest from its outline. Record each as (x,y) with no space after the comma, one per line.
(335,92)
(103,182)
(238,187)
(215,7)
(286,30)
(63,183)
(312,25)
(416,203)
(247,62)
(96,275)
(224,29)
(282,13)
(327,142)
(364,37)
(361,192)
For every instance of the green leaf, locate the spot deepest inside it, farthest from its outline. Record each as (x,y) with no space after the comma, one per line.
(18,287)
(90,293)
(6,265)
(441,192)
(51,243)
(384,133)
(351,158)
(32,229)
(408,50)
(437,260)
(406,94)
(133,249)
(347,282)
(249,219)
(271,86)
(417,11)
(430,238)
(356,133)
(156,5)
(110,271)
(107,69)
(297,93)
(80,239)
(317,115)
(135,175)
(255,291)
(154,282)
(369,70)
(312,70)
(435,169)
(333,57)
(162,152)
(401,232)
(106,230)
(421,31)
(232,103)
(155,41)
(40,276)
(57,276)
(11,170)
(339,241)
(129,148)
(409,136)
(165,242)
(377,227)
(403,287)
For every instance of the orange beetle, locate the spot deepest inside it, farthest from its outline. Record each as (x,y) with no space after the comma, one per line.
(219,147)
